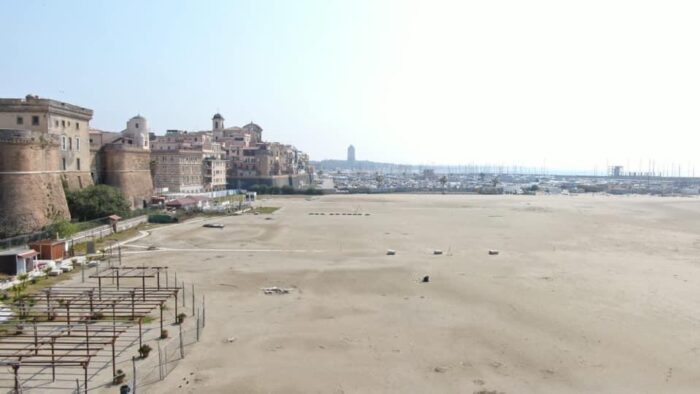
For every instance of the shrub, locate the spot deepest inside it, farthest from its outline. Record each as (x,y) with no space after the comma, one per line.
(181,318)
(119,377)
(144,351)
(63,227)
(163,334)
(98,201)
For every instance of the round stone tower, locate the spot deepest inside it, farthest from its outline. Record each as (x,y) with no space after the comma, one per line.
(137,130)
(31,191)
(127,165)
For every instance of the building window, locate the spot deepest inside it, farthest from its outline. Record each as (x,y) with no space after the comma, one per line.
(63,123)
(137,125)
(77,143)
(63,142)
(35,120)
(77,164)
(20,120)
(70,143)
(64,164)
(56,123)
(77,125)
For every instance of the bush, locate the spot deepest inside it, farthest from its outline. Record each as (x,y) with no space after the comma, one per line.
(98,201)
(63,227)
(181,318)
(163,334)
(144,351)
(119,377)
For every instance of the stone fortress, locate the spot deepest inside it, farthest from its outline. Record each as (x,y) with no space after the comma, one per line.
(47,148)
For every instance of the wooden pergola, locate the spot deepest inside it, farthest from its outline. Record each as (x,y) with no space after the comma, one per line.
(69,325)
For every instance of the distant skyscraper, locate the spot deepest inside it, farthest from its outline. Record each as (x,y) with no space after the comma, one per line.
(351,154)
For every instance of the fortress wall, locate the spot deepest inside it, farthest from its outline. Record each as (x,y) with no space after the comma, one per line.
(299,181)
(129,170)
(31,192)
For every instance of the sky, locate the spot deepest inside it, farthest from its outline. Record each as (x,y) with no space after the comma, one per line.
(576,85)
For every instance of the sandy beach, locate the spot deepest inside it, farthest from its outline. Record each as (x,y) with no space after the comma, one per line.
(587,294)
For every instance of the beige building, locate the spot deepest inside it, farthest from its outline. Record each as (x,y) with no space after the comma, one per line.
(70,123)
(188,162)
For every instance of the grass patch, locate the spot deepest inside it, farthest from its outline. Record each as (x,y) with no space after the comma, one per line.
(265,210)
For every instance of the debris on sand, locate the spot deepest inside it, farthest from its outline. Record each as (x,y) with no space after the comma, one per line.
(440,369)
(437,251)
(493,252)
(425,279)
(231,339)
(275,290)
(390,252)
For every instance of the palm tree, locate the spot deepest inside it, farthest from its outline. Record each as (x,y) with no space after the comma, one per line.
(443,181)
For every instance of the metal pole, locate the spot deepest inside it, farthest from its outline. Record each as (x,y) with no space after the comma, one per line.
(117,278)
(160,363)
(175,306)
(140,334)
(133,362)
(182,348)
(184,303)
(119,247)
(161,320)
(204,312)
(197,325)
(82,270)
(68,315)
(192,299)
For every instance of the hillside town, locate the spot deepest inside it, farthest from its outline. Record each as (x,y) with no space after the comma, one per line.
(48,148)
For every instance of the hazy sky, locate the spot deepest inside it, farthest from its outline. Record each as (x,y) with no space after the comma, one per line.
(573,84)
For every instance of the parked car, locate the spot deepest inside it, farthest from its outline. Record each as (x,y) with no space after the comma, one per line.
(213,225)
(66,267)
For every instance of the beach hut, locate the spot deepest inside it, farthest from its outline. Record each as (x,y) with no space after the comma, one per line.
(50,249)
(15,262)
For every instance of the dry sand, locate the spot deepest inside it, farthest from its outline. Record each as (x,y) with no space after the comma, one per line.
(588,294)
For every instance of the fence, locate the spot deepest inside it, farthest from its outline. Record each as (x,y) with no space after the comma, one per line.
(21,240)
(167,354)
(97,231)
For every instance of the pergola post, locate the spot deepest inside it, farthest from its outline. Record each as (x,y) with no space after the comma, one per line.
(15,369)
(114,338)
(68,315)
(53,359)
(36,339)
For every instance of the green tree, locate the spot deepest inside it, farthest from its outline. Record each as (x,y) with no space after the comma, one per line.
(96,201)
(63,227)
